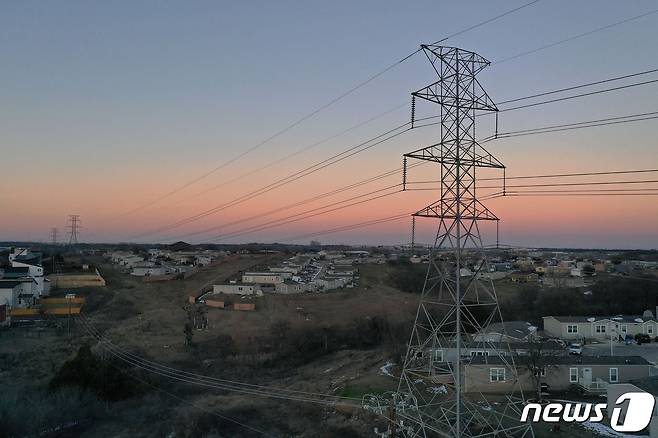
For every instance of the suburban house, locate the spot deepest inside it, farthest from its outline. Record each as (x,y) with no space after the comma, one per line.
(491,349)
(143,269)
(592,373)
(507,331)
(599,327)
(22,259)
(17,292)
(265,277)
(290,287)
(236,289)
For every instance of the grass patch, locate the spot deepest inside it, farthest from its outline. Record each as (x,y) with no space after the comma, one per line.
(358,391)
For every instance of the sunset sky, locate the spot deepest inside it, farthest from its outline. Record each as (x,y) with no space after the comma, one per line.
(107,106)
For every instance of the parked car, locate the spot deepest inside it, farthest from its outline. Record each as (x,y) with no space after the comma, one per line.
(576,349)
(629,340)
(642,338)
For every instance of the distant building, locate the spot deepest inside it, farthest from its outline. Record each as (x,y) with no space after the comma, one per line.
(599,327)
(524,277)
(507,331)
(203,260)
(26,264)
(143,270)
(290,287)
(264,277)
(15,293)
(236,289)
(495,375)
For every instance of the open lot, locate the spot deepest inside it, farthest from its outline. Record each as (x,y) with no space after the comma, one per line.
(148,319)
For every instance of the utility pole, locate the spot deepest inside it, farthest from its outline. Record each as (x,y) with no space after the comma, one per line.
(73,227)
(457,300)
(69,297)
(53,239)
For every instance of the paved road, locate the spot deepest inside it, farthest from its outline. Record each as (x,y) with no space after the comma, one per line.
(647,351)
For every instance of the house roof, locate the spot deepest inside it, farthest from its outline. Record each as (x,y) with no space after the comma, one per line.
(473,345)
(590,319)
(21,271)
(10,284)
(517,329)
(33,258)
(567,360)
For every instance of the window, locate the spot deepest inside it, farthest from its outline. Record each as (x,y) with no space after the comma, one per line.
(479,353)
(572,328)
(614,375)
(650,329)
(437,356)
(624,328)
(573,375)
(600,328)
(496,374)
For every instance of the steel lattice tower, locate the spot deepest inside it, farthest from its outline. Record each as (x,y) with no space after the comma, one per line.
(457,300)
(73,227)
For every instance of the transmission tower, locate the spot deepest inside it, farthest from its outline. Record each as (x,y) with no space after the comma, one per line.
(434,396)
(73,227)
(53,235)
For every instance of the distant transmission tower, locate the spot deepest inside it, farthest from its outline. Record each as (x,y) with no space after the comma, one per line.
(435,397)
(73,227)
(53,235)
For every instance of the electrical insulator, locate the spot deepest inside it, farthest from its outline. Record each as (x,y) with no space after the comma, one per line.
(404,174)
(413,232)
(413,110)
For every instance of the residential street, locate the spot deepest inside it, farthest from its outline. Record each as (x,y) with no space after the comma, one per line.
(647,351)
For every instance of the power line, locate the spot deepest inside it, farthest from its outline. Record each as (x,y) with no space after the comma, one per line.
(592,123)
(326,208)
(554,175)
(181,399)
(591,93)
(363,146)
(320,109)
(553,128)
(583,194)
(300,151)
(349,227)
(485,22)
(587,183)
(315,212)
(589,32)
(212,382)
(299,203)
(575,87)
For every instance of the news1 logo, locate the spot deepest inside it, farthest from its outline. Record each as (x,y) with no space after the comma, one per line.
(637,416)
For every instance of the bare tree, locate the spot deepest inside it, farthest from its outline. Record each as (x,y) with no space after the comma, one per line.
(539,360)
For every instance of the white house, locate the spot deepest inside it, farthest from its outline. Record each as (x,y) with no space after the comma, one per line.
(16,293)
(236,289)
(23,259)
(599,327)
(265,277)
